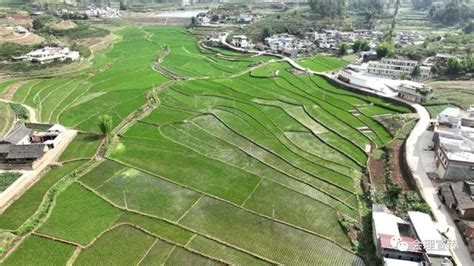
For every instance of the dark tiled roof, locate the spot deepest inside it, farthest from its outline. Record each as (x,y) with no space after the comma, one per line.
(463,196)
(17,134)
(4,148)
(447,194)
(32,151)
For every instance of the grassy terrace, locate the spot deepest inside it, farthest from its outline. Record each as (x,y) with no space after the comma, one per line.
(7,117)
(198,178)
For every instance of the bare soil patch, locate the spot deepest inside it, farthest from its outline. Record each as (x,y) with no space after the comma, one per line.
(63,25)
(10,91)
(376,168)
(397,172)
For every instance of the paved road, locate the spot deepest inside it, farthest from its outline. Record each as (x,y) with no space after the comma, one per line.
(414,148)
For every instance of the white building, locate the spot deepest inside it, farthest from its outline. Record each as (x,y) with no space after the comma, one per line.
(240,41)
(50,54)
(396,68)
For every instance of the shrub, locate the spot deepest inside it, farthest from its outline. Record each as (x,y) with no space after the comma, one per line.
(8,178)
(20,110)
(8,50)
(385,49)
(83,50)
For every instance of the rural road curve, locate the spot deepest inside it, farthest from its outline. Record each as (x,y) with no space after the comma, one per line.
(428,189)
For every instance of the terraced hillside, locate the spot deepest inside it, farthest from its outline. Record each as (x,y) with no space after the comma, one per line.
(241,161)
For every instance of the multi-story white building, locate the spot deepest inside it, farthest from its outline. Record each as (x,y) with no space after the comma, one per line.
(397,68)
(49,54)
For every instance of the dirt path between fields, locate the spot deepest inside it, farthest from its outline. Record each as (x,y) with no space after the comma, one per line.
(11,89)
(31,111)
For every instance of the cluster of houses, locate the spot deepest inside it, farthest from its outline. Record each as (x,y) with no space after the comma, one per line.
(453,146)
(210,18)
(287,44)
(409,38)
(331,40)
(414,241)
(326,41)
(49,54)
(26,145)
(91,12)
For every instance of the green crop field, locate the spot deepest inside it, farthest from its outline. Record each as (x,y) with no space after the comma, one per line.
(240,161)
(322,63)
(7,117)
(35,250)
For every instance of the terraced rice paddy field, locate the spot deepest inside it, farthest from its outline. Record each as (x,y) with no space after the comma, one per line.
(7,118)
(233,166)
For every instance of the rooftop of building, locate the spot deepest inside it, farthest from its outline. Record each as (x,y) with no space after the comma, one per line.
(17,134)
(463,192)
(30,151)
(427,233)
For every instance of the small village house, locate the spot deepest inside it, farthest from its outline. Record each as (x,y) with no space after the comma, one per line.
(459,196)
(453,143)
(412,241)
(49,54)
(240,41)
(24,146)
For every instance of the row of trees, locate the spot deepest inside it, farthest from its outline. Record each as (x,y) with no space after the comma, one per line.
(328,8)
(337,8)
(454,12)
(461,66)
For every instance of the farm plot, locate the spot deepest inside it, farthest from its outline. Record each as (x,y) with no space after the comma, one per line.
(278,242)
(79,216)
(183,58)
(147,194)
(322,63)
(36,250)
(123,245)
(84,146)
(17,213)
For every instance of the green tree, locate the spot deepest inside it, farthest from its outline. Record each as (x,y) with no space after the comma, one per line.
(469,28)
(454,66)
(38,24)
(105,125)
(385,49)
(123,5)
(327,8)
(416,72)
(266,32)
(343,49)
(361,45)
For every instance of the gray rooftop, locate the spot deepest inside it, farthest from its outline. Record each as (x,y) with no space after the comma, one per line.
(17,134)
(31,151)
(463,192)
